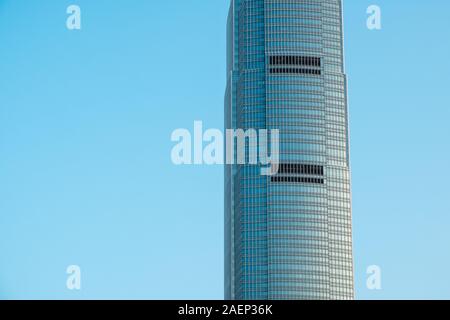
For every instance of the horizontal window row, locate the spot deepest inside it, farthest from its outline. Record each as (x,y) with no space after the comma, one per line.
(295,71)
(295,61)
(298,180)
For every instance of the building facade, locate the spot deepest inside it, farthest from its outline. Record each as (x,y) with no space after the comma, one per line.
(289,236)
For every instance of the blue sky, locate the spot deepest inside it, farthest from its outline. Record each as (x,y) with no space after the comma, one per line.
(86,176)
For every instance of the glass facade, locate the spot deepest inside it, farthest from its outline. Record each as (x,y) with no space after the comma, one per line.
(289,236)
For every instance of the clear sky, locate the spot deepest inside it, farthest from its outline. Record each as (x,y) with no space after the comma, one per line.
(86,176)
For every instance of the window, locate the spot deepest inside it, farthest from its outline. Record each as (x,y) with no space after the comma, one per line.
(295,61)
(299,173)
(297,180)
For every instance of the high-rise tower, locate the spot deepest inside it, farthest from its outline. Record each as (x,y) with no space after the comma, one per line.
(289,236)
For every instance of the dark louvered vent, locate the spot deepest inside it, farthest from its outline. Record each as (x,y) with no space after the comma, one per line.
(299,173)
(298,180)
(295,65)
(295,61)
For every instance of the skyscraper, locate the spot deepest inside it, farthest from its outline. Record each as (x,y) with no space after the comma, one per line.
(289,236)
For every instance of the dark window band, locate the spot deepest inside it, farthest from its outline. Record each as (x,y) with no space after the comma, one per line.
(294,168)
(295,61)
(295,71)
(298,180)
